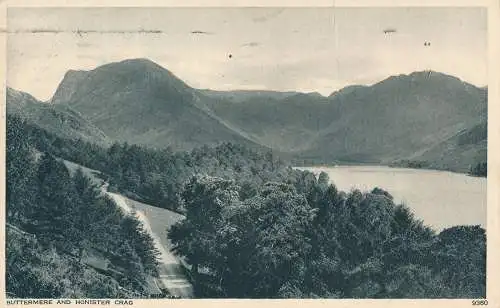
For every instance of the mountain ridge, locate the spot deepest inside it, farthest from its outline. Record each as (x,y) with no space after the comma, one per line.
(138,101)
(59,119)
(165,110)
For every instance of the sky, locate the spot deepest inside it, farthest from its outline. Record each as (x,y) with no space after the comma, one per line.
(301,49)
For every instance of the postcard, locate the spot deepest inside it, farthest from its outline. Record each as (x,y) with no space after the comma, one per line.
(329,154)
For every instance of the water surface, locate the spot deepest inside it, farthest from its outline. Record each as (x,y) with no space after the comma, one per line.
(442,199)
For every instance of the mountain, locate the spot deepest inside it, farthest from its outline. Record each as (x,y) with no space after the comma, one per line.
(347,90)
(399,118)
(404,117)
(137,101)
(59,119)
(462,151)
(288,124)
(239,96)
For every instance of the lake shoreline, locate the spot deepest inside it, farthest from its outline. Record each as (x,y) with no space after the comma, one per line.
(394,166)
(442,199)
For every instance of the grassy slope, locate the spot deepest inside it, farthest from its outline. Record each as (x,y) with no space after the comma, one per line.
(137,101)
(460,152)
(60,120)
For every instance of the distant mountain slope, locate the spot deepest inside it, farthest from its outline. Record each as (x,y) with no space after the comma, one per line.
(399,117)
(402,117)
(58,119)
(461,152)
(287,123)
(138,101)
(238,96)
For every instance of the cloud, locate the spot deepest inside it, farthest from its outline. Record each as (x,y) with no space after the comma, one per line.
(291,49)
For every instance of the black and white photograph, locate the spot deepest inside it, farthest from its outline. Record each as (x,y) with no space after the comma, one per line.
(246,153)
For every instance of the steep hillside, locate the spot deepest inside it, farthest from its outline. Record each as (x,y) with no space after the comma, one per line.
(58,119)
(461,152)
(399,117)
(287,123)
(66,239)
(138,101)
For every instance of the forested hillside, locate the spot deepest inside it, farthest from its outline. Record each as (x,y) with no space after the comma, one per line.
(157,176)
(254,227)
(65,239)
(303,238)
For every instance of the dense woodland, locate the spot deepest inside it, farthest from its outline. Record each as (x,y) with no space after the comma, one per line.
(158,176)
(481,169)
(257,227)
(306,239)
(56,219)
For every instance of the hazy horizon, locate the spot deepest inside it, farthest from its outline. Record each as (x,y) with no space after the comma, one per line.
(269,49)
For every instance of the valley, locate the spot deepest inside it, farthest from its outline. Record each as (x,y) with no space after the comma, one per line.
(139,102)
(135,184)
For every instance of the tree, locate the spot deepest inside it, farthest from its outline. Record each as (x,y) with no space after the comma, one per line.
(480,169)
(248,189)
(414,281)
(296,236)
(53,215)
(460,257)
(194,237)
(131,262)
(142,243)
(262,243)
(63,214)
(87,190)
(21,189)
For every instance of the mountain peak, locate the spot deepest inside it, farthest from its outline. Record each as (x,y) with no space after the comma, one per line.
(141,71)
(68,85)
(11,91)
(426,78)
(424,75)
(19,97)
(117,77)
(139,61)
(135,63)
(432,74)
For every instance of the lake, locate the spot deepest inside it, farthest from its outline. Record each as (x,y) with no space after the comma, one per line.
(441,199)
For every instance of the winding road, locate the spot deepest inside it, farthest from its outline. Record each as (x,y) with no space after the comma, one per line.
(171,272)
